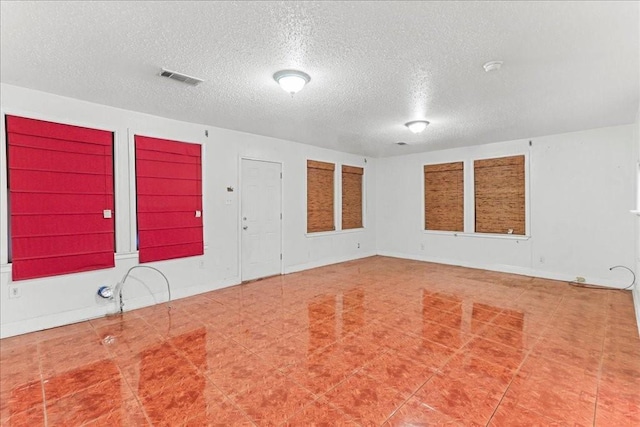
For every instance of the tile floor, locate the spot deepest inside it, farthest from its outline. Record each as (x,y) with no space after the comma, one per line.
(378,341)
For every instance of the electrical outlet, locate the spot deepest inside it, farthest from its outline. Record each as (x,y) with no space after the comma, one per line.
(14,291)
(422,246)
(358,245)
(580,279)
(201,264)
(542,260)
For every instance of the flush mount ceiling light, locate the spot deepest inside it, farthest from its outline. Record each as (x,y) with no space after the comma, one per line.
(291,81)
(417,126)
(492,66)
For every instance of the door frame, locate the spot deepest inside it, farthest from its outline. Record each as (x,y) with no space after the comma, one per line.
(239,222)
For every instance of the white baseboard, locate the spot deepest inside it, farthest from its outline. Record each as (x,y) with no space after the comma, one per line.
(327,261)
(506,269)
(176,294)
(74,316)
(51,321)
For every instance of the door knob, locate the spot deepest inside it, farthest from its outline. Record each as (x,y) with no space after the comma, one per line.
(245,227)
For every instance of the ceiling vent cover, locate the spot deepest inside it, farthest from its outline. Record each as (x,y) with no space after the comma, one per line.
(193,81)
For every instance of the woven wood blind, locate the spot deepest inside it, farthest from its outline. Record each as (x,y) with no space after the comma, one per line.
(320,196)
(499,195)
(351,197)
(444,197)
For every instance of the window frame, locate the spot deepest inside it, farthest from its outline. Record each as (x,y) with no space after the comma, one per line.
(337,199)
(151,132)
(424,196)
(335,211)
(6,264)
(362,198)
(134,192)
(469,197)
(514,158)
(636,210)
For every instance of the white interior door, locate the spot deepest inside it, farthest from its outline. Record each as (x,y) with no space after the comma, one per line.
(261,218)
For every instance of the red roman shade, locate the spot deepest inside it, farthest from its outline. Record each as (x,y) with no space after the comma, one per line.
(169,192)
(60,198)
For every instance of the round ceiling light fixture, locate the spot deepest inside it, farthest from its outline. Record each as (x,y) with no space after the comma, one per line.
(492,66)
(417,126)
(291,81)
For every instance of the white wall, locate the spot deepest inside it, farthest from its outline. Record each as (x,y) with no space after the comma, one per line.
(636,165)
(580,186)
(54,301)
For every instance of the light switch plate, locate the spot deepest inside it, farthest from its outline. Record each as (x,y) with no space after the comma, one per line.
(198,214)
(106,213)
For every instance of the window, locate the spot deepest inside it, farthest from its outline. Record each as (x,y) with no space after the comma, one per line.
(60,198)
(320,196)
(169,199)
(444,197)
(351,197)
(500,195)
(637,209)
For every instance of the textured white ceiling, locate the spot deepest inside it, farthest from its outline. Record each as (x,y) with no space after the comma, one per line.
(374,66)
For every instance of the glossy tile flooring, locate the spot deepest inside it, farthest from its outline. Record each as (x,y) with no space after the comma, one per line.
(377,341)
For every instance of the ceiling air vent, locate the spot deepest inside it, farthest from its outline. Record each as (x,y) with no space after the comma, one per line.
(193,81)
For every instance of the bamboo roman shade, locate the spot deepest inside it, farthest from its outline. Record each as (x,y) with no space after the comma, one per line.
(169,199)
(444,196)
(60,198)
(320,196)
(351,197)
(499,195)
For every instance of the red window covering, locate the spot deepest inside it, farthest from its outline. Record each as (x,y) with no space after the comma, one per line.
(60,185)
(169,191)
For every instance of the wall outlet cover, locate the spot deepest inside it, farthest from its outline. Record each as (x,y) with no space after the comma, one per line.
(14,292)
